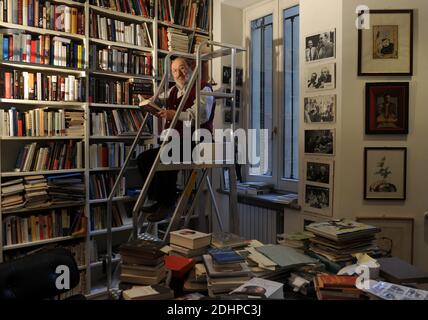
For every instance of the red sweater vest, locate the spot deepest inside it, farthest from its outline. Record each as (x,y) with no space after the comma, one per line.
(174,102)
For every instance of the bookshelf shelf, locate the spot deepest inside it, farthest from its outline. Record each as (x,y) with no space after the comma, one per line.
(37,243)
(120,75)
(119,14)
(70,3)
(42,102)
(117,229)
(180,27)
(110,169)
(113,106)
(120,45)
(42,31)
(34,173)
(43,67)
(127,137)
(50,207)
(42,138)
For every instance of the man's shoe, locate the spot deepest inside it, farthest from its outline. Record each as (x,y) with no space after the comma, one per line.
(162,213)
(151,208)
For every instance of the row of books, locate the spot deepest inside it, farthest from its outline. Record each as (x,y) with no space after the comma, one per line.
(40,191)
(42,49)
(118,92)
(56,223)
(112,154)
(115,122)
(120,60)
(39,86)
(100,185)
(145,8)
(41,122)
(109,29)
(60,155)
(43,14)
(188,13)
(99,216)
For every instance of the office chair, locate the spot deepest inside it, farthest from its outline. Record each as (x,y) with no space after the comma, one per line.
(34,276)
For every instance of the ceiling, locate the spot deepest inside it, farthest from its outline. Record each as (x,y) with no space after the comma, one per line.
(240,3)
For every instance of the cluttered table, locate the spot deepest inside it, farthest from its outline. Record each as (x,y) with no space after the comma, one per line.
(323,262)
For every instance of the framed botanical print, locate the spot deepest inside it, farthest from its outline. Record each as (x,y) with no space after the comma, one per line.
(387,108)
(385,46)
(385,173)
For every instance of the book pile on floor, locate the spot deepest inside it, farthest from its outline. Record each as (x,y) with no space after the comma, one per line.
(332,287)
(154,292)
(66,188)
(189,243)
(142,262)
(338,240)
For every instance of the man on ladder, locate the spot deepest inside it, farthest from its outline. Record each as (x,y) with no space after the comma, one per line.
(163,187)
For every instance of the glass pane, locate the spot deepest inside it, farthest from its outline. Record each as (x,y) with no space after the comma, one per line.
(261,92)
(291,93)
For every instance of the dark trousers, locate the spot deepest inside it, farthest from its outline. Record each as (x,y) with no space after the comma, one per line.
(163,187)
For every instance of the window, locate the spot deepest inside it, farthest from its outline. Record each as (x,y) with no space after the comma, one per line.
(261,88)
(291,94)
(273,31)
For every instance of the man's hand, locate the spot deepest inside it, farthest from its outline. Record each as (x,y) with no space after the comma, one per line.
(167,114)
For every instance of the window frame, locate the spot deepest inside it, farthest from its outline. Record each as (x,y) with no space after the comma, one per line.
(276,8)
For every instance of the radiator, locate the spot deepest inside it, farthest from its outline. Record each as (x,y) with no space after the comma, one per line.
(258,223)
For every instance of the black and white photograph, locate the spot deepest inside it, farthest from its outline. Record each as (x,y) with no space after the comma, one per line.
(320,46)
(228,116)
(228,102)
(239,77)
(320,109)
(319,171)
(320,77)
(319,142)
(227,73)
(318,200)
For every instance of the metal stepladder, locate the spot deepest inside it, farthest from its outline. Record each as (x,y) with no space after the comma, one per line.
(182,205)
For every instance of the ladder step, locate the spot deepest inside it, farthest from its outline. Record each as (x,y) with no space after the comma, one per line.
(217,94)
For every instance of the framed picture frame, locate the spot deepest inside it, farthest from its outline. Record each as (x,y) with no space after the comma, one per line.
(387,108)
(239,77)
(319,142)
(319,171)
(320,46)
(385,173)
(318,199)
(385,46)
(320,77)
(320,109)
(396,236)
(227,74)
(228,116)
(228,102)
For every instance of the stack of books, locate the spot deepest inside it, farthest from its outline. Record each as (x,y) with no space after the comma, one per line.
(226,271)
(255,188)
(338,240)
(227,240)
(155,292)
(12,194)
(66,188)
(189,243)
(36,191)
(172,39)
(332,287)
(142,262)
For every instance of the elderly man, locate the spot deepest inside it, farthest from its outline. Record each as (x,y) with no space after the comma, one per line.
(325,46)
(163,187)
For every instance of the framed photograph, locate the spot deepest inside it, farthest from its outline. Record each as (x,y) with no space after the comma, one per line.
(228,116)
(385,46)
(387,108)
(320,46)
(319,142)
(228,102)
(320,77)
(227,73)
(239,77)
(396,236)
(385,173)
(318,199)
(320,109)
(319,171)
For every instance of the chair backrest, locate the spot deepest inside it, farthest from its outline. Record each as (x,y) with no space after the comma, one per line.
(34,276)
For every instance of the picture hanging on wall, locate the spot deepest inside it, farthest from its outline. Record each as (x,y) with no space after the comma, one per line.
(385,173)
(319,142)
(239,77)
(228,102)
(227,73)
(319,171)
(320,109)
(385,45)
(387,108)
(320,77)
(318,199)
(228,116)
(320,46)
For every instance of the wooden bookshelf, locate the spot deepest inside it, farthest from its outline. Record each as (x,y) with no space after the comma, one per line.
(87,106)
